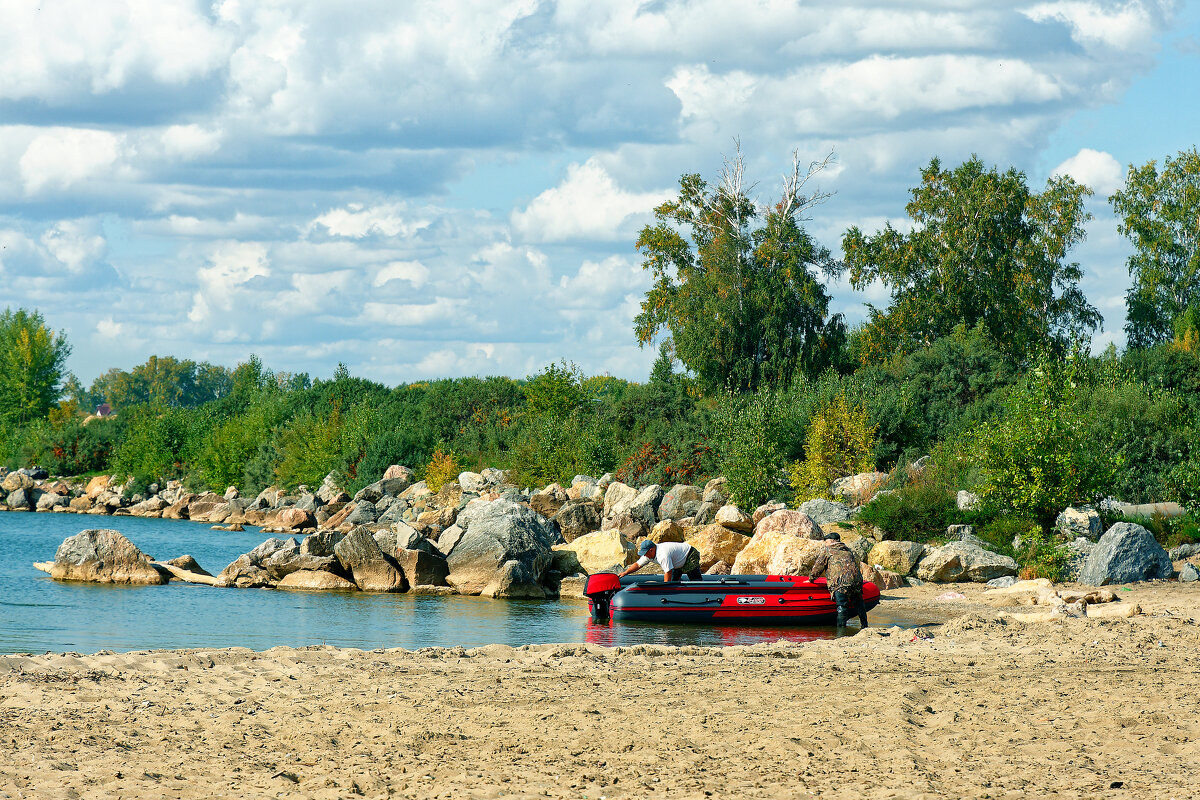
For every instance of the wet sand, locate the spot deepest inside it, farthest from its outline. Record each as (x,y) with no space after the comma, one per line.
(978,706)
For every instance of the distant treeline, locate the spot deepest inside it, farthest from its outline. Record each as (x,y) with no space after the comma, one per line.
(979,360)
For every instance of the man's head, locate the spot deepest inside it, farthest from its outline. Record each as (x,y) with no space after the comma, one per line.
(646,548)
(831,537)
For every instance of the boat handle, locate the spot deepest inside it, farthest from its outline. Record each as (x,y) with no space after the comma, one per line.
(703,602)
(783,600)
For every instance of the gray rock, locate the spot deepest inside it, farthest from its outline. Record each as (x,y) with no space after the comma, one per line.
(682,501)
(617,498)
(448,539)
(50,501)
(329,491)
(1125,554)
(1076,522)
(15,481)
(1189,574)
(370,493)
(21,499)
(269,548)
(1002,582)
(103,556)
(321,543)
(363,513)
(1185,551)
(243,574)
(957,533)
(285,562)
(707,512)
(577,518)
(716,491)
(515,579)
(825,512)
(402,537)
(495,534)
(361,557)
(472,482)
(1078,551)
(305,502)
(964,561)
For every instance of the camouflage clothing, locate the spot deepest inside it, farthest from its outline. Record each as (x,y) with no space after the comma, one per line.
(840,567)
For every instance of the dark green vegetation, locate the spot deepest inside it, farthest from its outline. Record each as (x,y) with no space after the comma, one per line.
(980,363)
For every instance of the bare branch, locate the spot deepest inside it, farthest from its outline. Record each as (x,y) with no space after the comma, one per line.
(796,201)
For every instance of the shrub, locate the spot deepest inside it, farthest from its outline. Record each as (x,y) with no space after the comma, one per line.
(839,442)
(1042,555)
(916,512)
(1037,459)
(310,448)
(441,469)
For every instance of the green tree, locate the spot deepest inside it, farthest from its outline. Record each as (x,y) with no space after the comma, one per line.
(32,357)
(982,250)
(555,391)
(742,304)
(1160,215)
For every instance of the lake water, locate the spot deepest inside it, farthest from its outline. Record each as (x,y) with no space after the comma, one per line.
(38,614)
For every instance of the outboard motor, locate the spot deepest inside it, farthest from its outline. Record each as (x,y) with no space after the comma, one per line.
(599,590)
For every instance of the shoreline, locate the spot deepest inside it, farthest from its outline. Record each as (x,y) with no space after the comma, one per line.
(977,705)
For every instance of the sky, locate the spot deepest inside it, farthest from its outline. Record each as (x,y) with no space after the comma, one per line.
(448,188)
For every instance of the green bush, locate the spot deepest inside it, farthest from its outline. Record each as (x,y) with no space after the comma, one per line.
(839,442)
(1038,458)
(917,512)
(1041,555)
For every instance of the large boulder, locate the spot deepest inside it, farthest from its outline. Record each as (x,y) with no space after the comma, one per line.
(643,506)
(785,543)
(295,519)
(103,556)
(682,501)
(472,482)
(495,533)
(15,481)
(857,489)
(321,543)
(717,544)
(825,512)
(667,531)
(630,526)
(617,494)
(316,581)
(423,568)
(602,551)
(361,557)
(50,501)
(964,562)
(716,491)
(515,580)
(22,499)
(1126,553)
(548,501)
(96,486)
(1074,522)
(363,514)
(284,562)
(898,557)
(735,519)
(247,571)
(577,518)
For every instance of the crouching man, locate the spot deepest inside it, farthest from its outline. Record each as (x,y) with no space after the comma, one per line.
(675,558)
(839,565)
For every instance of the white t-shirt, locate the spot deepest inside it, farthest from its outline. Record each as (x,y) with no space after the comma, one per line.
(669,555)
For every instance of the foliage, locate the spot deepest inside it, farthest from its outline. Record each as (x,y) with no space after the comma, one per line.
(441,469)
(743,305)
(839,442)
(32,357)
(311,445)
(1158,212)
(750,454)
(156,445)
(554,392)
(1037,458)
(1041,555)
(230,446)
(982,250)
(916,512)
(161,381)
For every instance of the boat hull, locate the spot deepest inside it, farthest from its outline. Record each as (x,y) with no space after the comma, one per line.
(726,600)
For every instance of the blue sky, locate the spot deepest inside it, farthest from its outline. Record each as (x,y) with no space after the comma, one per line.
(434,189)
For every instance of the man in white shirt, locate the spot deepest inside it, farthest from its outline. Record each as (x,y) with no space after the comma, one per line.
(675,558)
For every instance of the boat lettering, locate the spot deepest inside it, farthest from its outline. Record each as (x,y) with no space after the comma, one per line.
(751,601)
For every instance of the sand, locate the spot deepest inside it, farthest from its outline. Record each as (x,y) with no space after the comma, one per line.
(979,706)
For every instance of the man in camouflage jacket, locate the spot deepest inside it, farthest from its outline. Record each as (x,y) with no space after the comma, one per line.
(839,565)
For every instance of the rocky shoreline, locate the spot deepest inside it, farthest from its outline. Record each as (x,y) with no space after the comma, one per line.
(481,535)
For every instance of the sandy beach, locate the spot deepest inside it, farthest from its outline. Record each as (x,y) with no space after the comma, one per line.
(979,705)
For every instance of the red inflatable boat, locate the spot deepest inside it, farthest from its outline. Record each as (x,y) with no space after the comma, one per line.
(717,599)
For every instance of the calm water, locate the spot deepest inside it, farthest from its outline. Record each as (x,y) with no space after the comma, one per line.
(39,615)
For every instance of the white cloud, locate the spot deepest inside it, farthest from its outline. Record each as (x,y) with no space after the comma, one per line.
(1097,170)
(77,244)
(109,329)
(63,157)
(356,221)
(443,310)
(588,204)
(414,272)
(1118,26)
